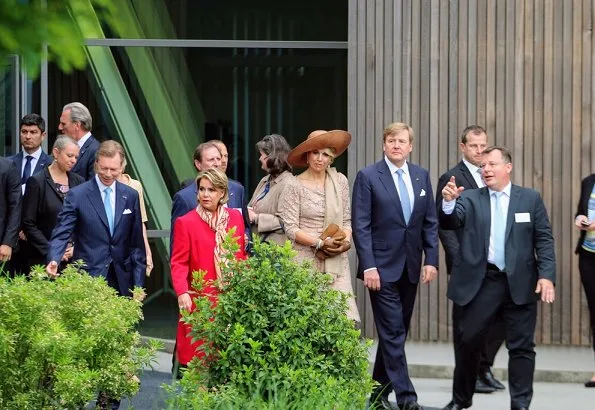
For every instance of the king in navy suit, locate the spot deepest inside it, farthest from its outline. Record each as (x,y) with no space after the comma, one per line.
(394,221)
(107,237)
(76,122)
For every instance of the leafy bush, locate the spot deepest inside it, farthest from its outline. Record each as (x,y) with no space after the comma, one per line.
(278,337)
(63,341)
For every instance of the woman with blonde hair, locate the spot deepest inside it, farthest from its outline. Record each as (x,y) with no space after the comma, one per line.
(316,212)
(198,240)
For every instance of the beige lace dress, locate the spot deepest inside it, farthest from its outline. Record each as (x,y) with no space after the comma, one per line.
(302,208)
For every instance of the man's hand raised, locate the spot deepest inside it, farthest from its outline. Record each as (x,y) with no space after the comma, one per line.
(450,192)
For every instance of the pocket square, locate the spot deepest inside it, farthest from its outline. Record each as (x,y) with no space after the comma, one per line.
(423,193)
(126,211)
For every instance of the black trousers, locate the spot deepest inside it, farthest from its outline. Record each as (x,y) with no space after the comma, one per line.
(495,336)
(474,319)
(393,307)
(586,267)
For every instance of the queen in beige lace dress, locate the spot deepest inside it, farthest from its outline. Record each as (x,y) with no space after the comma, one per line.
(315,198)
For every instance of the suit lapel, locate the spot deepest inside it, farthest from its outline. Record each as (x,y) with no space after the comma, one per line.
(416,184)
(486,217)
(515,196)
(121,200)
(82,152)
(18,160)
(467,174)
(96,201)
(387,180)
(44,160)
(50,182)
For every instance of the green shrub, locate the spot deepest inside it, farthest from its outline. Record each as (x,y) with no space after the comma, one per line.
(278,338)
(63,341)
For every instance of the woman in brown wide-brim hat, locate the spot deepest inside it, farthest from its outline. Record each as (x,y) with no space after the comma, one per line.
(316,201)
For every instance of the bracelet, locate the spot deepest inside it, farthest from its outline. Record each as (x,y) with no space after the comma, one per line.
(318,244)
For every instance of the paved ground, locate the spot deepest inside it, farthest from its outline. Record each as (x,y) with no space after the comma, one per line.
(432,392)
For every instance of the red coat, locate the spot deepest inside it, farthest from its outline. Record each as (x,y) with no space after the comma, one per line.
(194,245)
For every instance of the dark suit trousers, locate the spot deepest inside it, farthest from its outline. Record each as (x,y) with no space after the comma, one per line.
(393,306)
(474,319)
(586,266)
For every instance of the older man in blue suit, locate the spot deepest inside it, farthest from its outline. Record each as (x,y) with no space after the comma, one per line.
(76,122)
(103,216)
(394,220)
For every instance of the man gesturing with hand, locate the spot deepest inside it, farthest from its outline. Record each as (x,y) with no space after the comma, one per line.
(394,221)
(506,262)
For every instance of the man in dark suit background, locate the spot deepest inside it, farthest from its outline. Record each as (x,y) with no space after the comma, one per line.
(10,208)
(467,173)
(76,122)
(206,156)
(394,220)
(31,158)
(506,259)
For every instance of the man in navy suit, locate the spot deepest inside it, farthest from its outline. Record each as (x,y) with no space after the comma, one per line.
(28,161)
(394,220)
(31,158)
(76,122)
(474,140)
(107,231)
(10,208)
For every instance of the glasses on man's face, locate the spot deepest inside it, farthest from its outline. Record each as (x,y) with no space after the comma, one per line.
(491,164)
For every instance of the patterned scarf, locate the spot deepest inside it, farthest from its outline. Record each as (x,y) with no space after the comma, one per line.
(219,226)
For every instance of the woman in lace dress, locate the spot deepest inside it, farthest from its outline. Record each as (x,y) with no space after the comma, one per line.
(316,198)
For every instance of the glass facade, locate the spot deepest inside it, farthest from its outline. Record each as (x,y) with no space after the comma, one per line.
(163,97)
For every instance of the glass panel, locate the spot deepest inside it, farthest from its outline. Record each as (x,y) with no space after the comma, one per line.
(9,103)
(305,20)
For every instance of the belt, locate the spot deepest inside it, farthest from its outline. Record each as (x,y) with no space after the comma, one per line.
(493,267)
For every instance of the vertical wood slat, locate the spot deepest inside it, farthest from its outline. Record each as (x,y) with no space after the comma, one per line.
(524,70)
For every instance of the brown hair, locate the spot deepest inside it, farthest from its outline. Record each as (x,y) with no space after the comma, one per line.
(197,156)
(506,155)
(395,127)
(110,149)
(472,129)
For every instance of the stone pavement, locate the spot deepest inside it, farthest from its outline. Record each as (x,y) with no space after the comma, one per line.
(560,372)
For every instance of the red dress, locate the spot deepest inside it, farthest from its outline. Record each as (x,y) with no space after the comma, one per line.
(193,248)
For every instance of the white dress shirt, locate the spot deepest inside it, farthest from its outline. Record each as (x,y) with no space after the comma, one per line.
(82,141)
(406,179)
(36,155)
(449,206)
(475,173)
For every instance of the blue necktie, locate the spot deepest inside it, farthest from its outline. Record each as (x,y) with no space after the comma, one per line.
(108,210)
(27,169)
(267,187)
(499,230)
(404,196)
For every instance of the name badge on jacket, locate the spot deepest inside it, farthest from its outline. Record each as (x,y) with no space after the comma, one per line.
(522,217)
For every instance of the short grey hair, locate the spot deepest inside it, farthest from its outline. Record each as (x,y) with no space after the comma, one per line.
(79,113)
(62,141)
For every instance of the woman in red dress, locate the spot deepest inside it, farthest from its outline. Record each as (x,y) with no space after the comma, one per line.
(198,239)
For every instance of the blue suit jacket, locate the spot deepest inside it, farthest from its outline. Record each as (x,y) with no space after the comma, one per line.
(85,164)
(382,238)
(83,218)
(185,200)
(44,161)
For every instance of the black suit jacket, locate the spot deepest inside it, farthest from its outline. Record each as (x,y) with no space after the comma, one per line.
(583,203)
(41,205)
(44,161)
(85,165)
(529,245)
(10,202)
(449,239)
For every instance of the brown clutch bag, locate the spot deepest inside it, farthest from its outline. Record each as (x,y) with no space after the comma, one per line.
(331,231)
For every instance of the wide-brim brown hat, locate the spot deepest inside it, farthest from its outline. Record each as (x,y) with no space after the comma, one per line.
(337,139)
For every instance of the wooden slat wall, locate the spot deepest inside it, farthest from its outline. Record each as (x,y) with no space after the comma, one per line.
(523,70)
